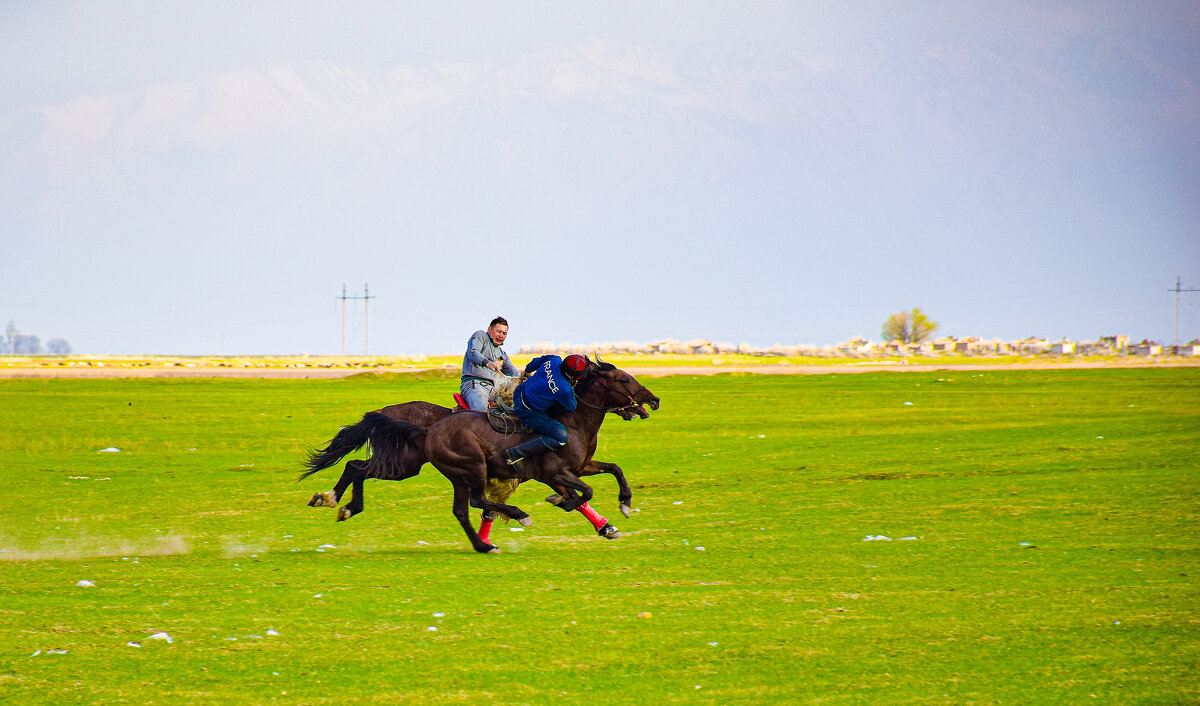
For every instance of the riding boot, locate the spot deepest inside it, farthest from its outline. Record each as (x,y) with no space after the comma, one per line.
(528,449)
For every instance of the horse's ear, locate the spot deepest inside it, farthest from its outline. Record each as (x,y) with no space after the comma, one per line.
(603,365)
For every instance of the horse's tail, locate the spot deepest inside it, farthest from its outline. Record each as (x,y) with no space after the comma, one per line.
(388,437)
(397,447)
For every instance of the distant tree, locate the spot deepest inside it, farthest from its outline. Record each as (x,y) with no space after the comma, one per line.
(58,346)
(908,327)
(25,344)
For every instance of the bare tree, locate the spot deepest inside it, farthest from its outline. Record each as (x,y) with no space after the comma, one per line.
(908,327)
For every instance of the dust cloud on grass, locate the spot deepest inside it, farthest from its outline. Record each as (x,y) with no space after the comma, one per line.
(93,547)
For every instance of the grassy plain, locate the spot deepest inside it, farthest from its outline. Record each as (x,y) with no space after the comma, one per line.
(1042,548)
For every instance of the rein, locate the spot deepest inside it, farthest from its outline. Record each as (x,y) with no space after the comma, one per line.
(633,405)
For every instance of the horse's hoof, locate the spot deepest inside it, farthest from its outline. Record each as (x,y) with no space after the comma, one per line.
(609,532)
(344,514)
(625,509)
(554,499)
(318,500)
(525,521)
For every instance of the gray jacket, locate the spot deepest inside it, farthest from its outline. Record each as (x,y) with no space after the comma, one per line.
(480,350)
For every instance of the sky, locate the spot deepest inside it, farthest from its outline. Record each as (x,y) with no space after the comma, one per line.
(205,178)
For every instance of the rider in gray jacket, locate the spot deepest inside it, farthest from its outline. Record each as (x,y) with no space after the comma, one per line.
(483,361)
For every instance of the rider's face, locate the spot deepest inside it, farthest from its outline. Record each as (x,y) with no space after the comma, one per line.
(498,333)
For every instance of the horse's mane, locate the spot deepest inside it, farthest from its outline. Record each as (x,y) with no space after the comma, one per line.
(590,375)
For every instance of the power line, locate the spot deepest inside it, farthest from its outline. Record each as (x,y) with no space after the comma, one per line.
(1177,290)
(366,298)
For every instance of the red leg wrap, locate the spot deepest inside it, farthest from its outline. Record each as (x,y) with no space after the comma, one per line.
(594,517)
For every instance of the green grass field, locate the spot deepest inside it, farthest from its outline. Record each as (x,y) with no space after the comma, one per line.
(1042,548)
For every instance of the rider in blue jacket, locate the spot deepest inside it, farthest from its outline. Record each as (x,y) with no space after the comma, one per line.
(550,384)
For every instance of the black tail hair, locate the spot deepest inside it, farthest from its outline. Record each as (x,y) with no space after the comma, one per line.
(388,438)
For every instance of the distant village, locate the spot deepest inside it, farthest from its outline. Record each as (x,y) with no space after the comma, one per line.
(863,348)
(16,342)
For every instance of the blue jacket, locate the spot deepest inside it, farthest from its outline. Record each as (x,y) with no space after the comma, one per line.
(546,386)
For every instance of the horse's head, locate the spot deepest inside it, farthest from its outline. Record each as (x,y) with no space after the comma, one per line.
(616,391)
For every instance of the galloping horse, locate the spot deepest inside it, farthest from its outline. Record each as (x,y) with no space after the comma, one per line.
(408,460)
(465,448)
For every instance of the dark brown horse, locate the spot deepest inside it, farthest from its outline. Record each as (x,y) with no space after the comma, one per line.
(410,459)
(465,448)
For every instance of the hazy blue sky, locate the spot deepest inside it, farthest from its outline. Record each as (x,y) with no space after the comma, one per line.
(183,177)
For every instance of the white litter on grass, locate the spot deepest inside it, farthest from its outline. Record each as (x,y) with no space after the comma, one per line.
(161,636)
(907,539)
(677,502)
(328,546)
(699,549)
(713,644)
(876,538)
(133,644)
(85,583)
(272,632)
(318,595)
(110,450)
(1024,544)
(431,629)
(516,529)
(439,615)
(908,404)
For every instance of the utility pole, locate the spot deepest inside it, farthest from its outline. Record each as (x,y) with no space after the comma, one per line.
(343,318)
(1177,290)
(366,298)
(366,321)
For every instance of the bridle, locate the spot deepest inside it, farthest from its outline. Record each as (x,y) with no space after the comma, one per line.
(633,404)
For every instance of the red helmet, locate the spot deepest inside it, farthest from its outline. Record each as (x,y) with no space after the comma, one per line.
(574,365)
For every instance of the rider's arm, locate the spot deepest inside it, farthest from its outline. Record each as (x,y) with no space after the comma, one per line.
(475,349)
(533,364)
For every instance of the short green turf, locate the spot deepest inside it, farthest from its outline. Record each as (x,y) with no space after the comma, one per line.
(947,537)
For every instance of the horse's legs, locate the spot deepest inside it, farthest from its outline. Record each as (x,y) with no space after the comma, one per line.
(480,500)
(624,493)
(331,498)
(463,514)
(355,505)
(591,468)
(570,482)
(603,527)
